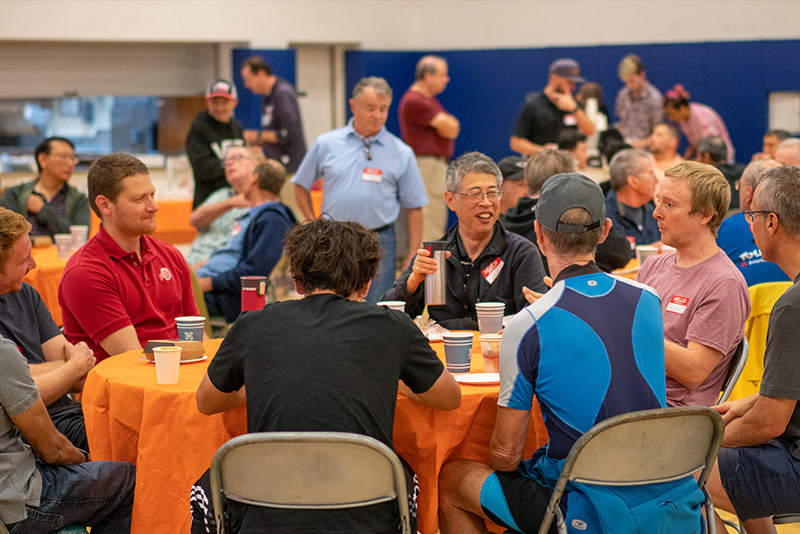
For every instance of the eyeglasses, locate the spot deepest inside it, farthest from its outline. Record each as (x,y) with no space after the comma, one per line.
(473,197)
(750,215)
(235,157)
(66,157)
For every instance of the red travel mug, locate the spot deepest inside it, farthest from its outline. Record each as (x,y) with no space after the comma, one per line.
(254,292)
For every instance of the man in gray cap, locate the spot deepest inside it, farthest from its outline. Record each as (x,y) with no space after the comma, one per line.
(545,114)
(568,329)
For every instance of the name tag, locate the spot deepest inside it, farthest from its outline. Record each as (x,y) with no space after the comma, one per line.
(371,175)
(570,120)
(491,271)
(677,304)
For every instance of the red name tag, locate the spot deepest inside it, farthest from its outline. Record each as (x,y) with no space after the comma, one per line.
(371,175)
(678,304)
(491,271)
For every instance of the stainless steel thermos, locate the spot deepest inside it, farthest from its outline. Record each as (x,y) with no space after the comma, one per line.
(436,283)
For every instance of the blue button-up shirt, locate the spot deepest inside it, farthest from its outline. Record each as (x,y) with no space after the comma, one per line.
(368,191)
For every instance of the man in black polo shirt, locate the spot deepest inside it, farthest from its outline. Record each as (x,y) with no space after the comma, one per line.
(545,114)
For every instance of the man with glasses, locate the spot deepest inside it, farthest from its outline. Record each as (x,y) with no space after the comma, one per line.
(369,175)
(758,469)
(484,262)
(704,298)
(735,237)
(628,204)
(49,203)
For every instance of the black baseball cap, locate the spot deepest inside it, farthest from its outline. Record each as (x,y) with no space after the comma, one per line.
(512,168)
(565,191)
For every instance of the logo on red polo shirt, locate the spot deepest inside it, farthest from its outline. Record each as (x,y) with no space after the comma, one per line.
(165,275)
(678,304)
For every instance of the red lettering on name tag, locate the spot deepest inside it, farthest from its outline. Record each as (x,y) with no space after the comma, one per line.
(491,271)
(678,304)
(372,175)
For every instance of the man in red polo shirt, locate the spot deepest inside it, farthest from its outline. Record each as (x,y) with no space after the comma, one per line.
(123,288)
(430,131)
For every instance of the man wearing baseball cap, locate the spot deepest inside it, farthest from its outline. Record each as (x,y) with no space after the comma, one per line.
(545,114)
(583,364)
(212,133)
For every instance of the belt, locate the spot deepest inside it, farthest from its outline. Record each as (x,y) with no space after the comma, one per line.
(383,228)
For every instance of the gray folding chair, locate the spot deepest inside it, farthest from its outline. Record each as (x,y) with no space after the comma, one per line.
(645,447)
(735,369)
(307,470)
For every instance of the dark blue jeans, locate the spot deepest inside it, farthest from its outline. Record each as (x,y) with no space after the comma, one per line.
(384,278)
(96,494)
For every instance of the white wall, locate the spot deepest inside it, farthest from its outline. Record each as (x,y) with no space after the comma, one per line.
(402,24)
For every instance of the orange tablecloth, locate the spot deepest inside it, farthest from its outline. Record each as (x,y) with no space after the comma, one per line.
(130,417)
(172,222)
(46,277)
(630,270)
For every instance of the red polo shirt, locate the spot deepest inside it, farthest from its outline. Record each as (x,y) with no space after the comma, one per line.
(104,289)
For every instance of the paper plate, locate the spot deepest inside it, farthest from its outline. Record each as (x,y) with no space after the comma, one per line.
(479,379)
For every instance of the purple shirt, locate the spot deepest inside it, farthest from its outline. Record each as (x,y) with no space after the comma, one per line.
(708,304)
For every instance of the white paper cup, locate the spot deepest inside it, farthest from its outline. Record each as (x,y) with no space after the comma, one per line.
(645,251)
(168,364)
(490,351)
(490,316)
(190,328)
(64,245)
(398,305)
(79,232)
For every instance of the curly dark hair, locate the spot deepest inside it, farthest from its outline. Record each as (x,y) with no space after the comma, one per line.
(324,254)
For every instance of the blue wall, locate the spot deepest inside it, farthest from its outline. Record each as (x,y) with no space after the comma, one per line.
(282,62)
(488,86)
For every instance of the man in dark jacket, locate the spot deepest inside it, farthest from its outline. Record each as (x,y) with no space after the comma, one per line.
(254,249)
(484,263)
(212,133)
(49,203)
(613,253)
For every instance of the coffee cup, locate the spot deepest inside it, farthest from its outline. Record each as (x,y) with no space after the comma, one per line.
(490,316)
(168,364)
(490,351)
(190,328)
(64,245)
(458,351)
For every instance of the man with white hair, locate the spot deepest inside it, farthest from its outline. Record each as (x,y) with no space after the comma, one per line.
(735,237)
(369,176)
(788,152)
(633,184)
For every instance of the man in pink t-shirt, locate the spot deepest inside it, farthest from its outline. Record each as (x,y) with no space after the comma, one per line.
(430,131)
(704,298)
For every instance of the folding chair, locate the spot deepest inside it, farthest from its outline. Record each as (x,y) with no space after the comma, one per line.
(307,470)
(735,369)
(645,447)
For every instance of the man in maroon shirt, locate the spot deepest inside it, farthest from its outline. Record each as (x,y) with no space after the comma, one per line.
(430,131)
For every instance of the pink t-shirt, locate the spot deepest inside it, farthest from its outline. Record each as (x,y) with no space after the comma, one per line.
(708,304)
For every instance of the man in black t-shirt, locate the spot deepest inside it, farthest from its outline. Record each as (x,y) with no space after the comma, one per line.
(327,362)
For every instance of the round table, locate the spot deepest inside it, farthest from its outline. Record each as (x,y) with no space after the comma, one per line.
(130,417)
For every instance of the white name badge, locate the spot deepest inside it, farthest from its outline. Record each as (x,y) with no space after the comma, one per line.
(678,304)
(371,175)
(570,120)
(491,271)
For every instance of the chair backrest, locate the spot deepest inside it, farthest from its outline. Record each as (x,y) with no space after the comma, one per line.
(307,470)
(644,447)
(735,369)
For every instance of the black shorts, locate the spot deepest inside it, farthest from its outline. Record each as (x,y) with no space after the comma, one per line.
(515,501)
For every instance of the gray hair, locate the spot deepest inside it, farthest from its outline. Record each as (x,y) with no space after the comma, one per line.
(427,65)
(546,163)
(626,163)
(793,143)
(471,162)
(754,172)
(715,147)
(379,84)
(779,192)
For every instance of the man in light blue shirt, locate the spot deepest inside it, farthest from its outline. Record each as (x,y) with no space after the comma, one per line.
(369,175)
